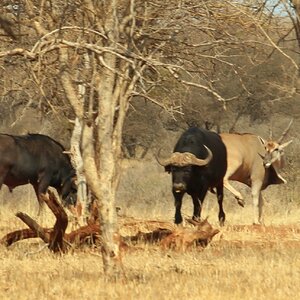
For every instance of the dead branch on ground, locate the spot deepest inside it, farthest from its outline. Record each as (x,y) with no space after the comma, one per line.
(132,231)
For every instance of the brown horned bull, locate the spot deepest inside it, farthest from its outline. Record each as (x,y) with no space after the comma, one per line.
(255,162)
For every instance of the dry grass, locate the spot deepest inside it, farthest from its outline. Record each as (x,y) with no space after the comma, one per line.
(242,262)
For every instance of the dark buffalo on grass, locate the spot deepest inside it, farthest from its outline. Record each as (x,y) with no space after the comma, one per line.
(39,160)
(197,164)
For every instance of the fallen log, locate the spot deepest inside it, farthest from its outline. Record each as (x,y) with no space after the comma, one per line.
(19,235)
(183,238)
(35,227)
(178,239)
(151,237)
(75,238)
(132,231)
(78,237)
(56,242)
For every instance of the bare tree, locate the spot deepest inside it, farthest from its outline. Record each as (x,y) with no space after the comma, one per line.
(118,50)
(285,16)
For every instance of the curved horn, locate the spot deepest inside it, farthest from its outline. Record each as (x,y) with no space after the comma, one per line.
(205,161)
(162,161)
(180,159)
(285,132)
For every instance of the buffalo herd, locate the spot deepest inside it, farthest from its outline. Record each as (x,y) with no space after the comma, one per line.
(201,161)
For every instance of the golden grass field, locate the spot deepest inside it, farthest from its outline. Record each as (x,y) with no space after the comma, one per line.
(242,261)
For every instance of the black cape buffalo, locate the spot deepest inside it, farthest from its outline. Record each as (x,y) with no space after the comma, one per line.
(39,160)
(197,164)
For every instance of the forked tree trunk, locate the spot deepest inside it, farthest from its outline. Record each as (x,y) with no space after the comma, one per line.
(99,161)
(113,84)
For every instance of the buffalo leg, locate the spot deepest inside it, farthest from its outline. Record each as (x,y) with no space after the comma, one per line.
(198,201)
(36,189)
(41,188)
(178,204)
(44,183)
(220,196)
(40,200)
(4,172)
(197,207)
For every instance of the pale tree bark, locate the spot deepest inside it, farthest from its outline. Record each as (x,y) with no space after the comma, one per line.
(76,155)
(99,162)
(107,149)
(77,162)
(103,192)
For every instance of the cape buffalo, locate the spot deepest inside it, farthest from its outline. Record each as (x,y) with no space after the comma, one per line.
(39,160)
(197,164)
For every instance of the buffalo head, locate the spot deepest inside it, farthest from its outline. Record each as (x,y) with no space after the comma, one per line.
(69,192)
(181,167)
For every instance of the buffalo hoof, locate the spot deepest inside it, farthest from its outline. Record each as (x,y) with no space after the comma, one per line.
(196,219)
(178,220)
(222,220)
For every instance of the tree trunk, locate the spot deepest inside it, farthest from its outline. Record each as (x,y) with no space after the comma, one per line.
(107,149)
(107,162)
(100,182)
(77,162)
(99,163)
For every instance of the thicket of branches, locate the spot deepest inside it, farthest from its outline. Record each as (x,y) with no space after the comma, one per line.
(232,51)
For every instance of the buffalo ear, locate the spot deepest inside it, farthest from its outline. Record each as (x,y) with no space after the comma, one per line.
(168,169)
